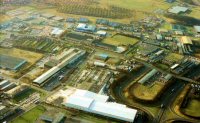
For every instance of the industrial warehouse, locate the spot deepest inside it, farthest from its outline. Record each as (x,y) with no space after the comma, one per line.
(72,56)
(94,103)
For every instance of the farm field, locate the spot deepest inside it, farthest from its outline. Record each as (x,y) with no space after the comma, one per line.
(120,40)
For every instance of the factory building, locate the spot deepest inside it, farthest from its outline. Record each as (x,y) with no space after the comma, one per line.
(98,104)
(73,57)
(147,76)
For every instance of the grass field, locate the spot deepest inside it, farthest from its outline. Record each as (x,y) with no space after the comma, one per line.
(120,40)
(30,57)
(192,107)
(30,116)
(173,57)
(146,92)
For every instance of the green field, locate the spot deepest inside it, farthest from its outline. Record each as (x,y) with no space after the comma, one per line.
(30,116)
(120,40)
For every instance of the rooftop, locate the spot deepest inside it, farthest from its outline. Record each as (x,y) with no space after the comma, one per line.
(177,9)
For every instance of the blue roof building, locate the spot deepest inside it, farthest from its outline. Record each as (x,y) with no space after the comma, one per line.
(83,20)
(71,20)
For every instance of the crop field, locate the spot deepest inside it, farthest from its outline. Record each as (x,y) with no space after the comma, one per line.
(31,116)
(120,40)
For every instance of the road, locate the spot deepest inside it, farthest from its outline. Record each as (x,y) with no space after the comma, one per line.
(119,95)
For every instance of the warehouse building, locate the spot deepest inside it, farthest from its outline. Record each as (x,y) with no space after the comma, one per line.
(98,104)
(73,57)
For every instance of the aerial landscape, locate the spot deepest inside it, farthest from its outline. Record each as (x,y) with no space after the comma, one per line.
(99,61)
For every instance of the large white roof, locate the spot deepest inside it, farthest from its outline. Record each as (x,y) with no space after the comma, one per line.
(96,103)
(107,109)
(91,95)
(79,101)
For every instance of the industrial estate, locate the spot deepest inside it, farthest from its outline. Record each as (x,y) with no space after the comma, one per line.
(100,61)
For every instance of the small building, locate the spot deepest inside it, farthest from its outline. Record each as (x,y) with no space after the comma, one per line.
(99,64)
(71,20)
(85,28)
(47,16)
(83,20)
(159,37)
(197,29)
(102,57)
(57,18)
(102,21)
(57,32)
(101,33)
(178,10)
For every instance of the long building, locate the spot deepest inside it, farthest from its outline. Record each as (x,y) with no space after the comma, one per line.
(148,76)
(74,56)
(98,104)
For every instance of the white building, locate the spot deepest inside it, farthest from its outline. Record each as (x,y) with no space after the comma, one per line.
(98,104)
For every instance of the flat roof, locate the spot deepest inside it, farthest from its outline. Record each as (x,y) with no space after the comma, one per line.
(87,101)
(177,9)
